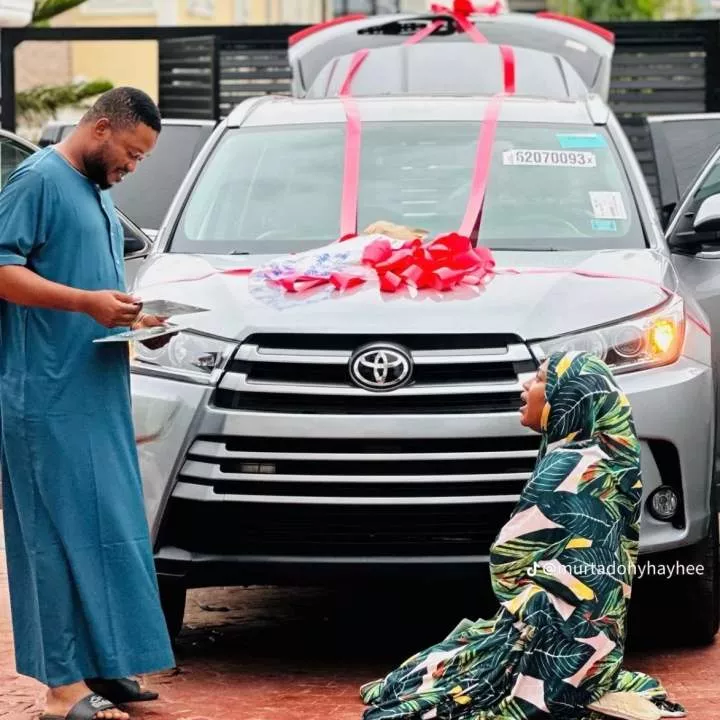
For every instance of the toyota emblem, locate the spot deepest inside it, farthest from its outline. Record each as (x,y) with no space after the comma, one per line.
(380,367)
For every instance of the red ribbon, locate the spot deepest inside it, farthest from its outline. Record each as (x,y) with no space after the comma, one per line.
(464,8)
(302,283)
(353,142)
(425,32)
(353,132)
(442,264)
(461,12)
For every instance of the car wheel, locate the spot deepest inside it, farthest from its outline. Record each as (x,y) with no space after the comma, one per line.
(172,600)
(682,610)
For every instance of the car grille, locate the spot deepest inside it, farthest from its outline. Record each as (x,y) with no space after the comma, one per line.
(359,470)
(365,495)
(232,529)
(346,497)
(310,374)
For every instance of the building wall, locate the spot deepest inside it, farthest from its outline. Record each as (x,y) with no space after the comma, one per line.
(135,63)
(123,63)
(42,63)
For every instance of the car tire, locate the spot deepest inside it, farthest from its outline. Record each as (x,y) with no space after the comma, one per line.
(172,600)
(684,610)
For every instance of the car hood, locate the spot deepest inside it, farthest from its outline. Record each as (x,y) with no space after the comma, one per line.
(530,305)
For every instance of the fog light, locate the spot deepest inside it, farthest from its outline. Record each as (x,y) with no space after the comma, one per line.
(663,503)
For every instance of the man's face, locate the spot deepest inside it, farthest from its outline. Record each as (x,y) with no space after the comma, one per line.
(116,152)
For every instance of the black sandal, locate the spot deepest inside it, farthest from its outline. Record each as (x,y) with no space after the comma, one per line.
(86,709)
(121,691)
(669,709)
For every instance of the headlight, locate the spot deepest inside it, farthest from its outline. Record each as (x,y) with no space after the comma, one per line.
(188,356)
(649,341)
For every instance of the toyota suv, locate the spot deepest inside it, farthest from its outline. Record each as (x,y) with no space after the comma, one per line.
(276,443)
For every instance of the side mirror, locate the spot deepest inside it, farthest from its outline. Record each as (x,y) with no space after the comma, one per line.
(136,246)
(707,218)
(705,231)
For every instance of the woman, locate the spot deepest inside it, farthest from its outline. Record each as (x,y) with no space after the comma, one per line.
(561,568)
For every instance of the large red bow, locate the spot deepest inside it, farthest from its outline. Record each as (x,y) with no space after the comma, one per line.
(443,264)
(464,9)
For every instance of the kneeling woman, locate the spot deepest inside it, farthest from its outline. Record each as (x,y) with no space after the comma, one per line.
(561,568)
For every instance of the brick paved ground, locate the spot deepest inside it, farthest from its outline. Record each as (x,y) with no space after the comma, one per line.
(270,654)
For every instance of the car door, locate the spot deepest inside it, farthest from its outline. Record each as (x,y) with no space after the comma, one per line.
(13,150)
(681,146)
(696,255)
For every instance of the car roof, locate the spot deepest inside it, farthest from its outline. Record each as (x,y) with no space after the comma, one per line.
(587,47)
(273,110)
(450,69)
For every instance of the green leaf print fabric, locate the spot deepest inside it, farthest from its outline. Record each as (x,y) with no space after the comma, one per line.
(561,569)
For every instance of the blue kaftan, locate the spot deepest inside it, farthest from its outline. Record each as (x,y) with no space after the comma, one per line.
(83,590)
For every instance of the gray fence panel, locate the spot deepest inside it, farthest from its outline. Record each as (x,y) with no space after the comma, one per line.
(187,78)
(661,68)
(245,71)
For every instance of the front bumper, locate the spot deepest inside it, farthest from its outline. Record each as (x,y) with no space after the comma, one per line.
(198,529)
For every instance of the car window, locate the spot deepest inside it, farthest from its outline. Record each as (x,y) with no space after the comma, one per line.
(709,186)
(275,190)
(145,195)
(11,155)
(690,144)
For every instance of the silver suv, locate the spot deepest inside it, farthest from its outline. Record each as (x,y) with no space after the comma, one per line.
(299,439)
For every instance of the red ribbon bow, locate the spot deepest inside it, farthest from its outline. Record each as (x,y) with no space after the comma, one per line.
(443,264)
(298,283)
(464,9)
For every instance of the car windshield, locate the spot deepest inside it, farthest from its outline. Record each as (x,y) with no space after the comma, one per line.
(278,190)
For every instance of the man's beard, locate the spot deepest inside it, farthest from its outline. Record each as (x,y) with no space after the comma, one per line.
(96,168)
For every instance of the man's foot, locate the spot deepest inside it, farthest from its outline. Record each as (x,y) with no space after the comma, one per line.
(121,690)
(61,700)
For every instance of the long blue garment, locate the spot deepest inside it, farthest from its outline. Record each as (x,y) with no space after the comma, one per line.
(83,590)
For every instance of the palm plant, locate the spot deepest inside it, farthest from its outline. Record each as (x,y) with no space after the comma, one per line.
(38,104)
(47,9)
(611,9)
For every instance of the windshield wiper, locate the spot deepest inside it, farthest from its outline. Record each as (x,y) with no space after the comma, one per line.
(239,252)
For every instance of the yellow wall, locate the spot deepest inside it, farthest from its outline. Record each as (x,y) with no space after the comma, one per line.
(123,63)
(135,63)
(224,14)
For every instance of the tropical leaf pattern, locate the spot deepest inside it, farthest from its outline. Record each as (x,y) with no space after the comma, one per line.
(561,569)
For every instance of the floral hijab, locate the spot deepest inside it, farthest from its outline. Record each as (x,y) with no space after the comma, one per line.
(585,406)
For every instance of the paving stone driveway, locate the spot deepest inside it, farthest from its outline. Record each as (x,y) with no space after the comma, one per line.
(300,654)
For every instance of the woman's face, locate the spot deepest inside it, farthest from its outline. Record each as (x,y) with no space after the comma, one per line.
(533,398)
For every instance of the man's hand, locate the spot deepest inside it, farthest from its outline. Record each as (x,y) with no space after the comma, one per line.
(111,308)
(150,321)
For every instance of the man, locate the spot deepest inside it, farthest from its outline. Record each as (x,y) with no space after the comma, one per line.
(84,596)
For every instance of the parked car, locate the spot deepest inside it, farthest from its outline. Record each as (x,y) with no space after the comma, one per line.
(266,459)
(146,195)
(448,69)
(587,47)
(681,146)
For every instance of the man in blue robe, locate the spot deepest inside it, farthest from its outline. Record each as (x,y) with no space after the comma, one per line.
(84,595)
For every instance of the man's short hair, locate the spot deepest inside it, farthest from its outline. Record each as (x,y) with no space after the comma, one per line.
(125,107)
